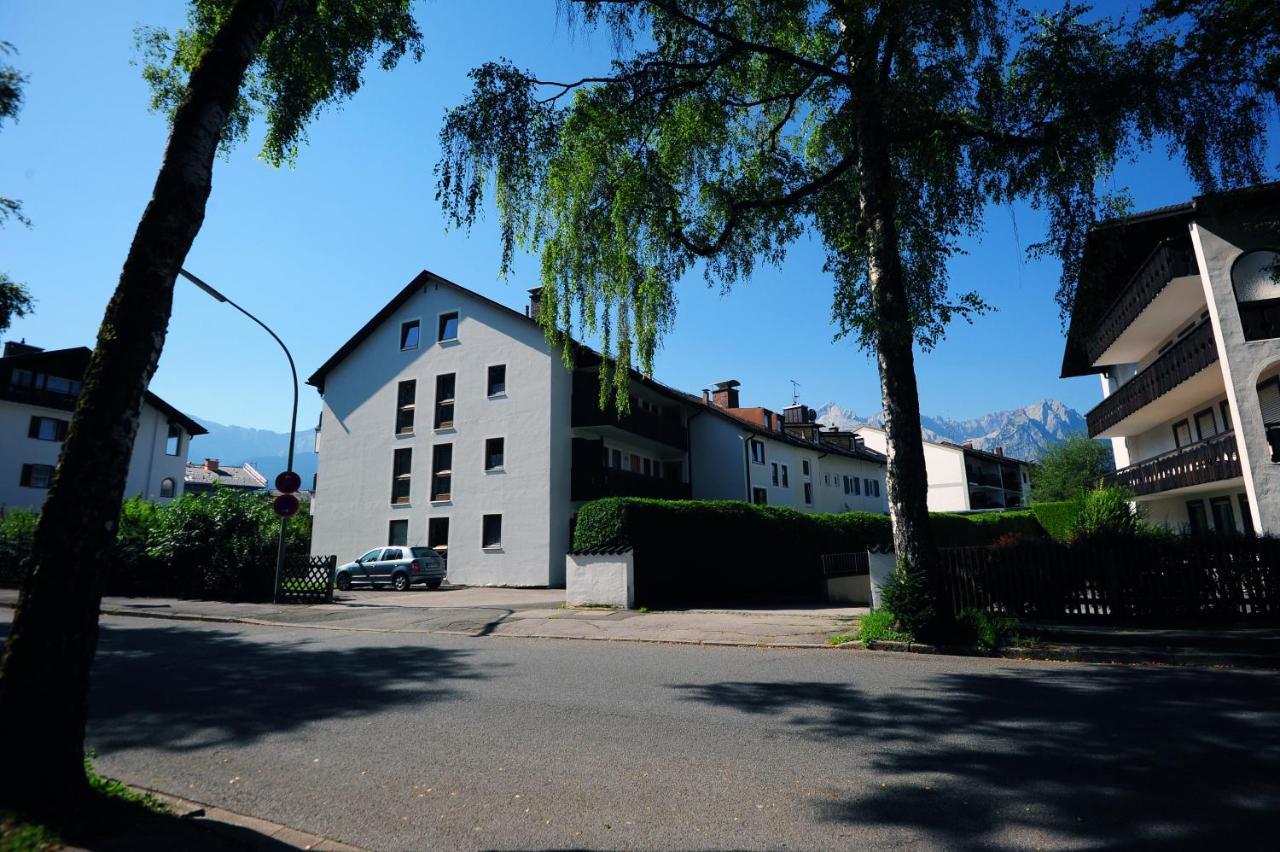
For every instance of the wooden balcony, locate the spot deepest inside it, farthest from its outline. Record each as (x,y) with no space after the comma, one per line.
(591,479)
(1183,360)
(663,428)
(1211,460)
(1170,260)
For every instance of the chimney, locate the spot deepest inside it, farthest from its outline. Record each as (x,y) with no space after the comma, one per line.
(211,465)
(1000,451)
(535,303)
(968,445)
(706,397)
(726,393)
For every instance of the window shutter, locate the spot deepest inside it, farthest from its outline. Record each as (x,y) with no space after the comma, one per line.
(1269,401)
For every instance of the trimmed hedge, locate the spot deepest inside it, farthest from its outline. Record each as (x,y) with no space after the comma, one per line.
(712,550)
(1058,518)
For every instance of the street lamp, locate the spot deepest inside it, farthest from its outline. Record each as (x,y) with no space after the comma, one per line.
(293,422)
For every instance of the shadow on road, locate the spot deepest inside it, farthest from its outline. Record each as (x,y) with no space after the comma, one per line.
(182,689)
(1081,757)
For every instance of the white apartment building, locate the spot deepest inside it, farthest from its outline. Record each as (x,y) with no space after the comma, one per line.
(449,421)
(1178,311)
(964,479)
(38,393)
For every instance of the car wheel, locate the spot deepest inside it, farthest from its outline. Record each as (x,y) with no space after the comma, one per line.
(344,582)
(400,582)
(434,584)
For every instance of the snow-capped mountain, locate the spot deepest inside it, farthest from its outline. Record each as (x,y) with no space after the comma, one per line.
(1023,432)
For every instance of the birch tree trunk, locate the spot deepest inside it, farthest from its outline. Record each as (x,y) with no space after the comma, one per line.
(44,682)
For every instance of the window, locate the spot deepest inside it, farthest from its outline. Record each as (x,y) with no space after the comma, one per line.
(173,443)
(441,471)
(444,400)
(37,475)
(775,473)
(1246,517)
(857,487)
(402,469)
(826,478)
(876,483)
(409,333)
(804,466)
(1196,518)
(808,492)
(866,484)
(759,496)
(493,448)
(491,534)
(1181,433)
(1224,521)
(1206,425)
(405,395)
(757,451)
(438,535)
(768,421)
(398,532)
(47,429)
(497,382)
(1225,408)
(615,458)
(1269,402)
(448,327)
(166,487)
(786,482)
(635,463)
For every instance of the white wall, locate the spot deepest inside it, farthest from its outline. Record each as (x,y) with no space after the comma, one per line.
(357,441)
(718,466)
(944,468)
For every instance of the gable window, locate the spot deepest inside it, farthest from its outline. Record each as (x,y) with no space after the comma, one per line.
(1181,433)
(448,327)
(173,443)
(786,482)
(1206,426)
(493,453)
(47,429)
(444,400)
(409,333)
(401,471)
(491,531)
(757,451)
(37,475)
(759,496)
(497,381)
(775,473)
(167,487)
(398,532)
(441,471)
(438,535)
(406,393)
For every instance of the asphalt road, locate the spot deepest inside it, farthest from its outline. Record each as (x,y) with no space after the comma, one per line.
(435,742)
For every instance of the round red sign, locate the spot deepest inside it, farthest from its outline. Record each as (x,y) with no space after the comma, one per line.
(288,482)
(285,505)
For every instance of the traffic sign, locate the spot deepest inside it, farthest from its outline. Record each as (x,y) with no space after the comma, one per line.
(288,482)
(285,505)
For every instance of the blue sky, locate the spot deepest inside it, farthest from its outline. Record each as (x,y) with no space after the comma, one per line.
(317,249)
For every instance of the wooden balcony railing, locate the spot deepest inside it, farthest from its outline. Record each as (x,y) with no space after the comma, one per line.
(665,429)
(1170,260)
(1211,460)
(1183,360)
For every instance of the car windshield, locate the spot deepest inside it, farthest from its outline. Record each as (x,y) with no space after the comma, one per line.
(422,551)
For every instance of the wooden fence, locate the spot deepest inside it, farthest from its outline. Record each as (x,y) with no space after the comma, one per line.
(1222,578)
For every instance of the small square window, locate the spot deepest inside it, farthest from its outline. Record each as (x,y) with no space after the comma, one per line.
(759,496)
(409,333)
(497,383)
(37,475)
(398,533)
(491,535)
(47,429)
(448,328)
(493,453)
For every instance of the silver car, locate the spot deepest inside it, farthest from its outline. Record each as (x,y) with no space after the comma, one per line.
(400,567)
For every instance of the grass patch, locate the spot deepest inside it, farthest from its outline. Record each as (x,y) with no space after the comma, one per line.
(841,639)
(986,631)
(880,625)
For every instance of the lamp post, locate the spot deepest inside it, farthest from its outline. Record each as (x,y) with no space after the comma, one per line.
(293,422)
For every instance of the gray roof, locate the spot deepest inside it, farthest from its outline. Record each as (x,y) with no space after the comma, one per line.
(244,476)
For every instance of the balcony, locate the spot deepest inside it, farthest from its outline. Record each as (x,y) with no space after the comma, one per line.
(1170,261)
(594,483)
(664,429)
(1212,460)
(1185,360)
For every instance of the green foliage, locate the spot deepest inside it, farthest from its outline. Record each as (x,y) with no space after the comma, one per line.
(1107,513)
(15,299)
(314,57)
(907,594)
(951,530)
(1071,468)
(17,532)
(985,630)
(111,788)
(1058,519)
(881,625)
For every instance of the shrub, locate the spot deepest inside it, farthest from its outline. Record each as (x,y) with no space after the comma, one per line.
(1106,513)
(1058,519)
(906,594)
(221,545)
(987,631)
(881,625)
(17,532)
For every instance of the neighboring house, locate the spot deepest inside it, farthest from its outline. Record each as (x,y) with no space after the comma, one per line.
(1178,311)
(201,478)
(449,421)
(38,392)
(963,479)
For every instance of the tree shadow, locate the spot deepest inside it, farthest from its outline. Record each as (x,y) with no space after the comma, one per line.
(1090,757)
(182,689)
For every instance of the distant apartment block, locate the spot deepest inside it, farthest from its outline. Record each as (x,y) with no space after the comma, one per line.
(449,421)
(38,392)
(964,479)
(1178,312)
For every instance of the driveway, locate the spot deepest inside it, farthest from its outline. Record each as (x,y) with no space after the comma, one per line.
(455,597)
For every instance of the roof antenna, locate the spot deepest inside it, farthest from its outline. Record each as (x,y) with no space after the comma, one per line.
(795,392)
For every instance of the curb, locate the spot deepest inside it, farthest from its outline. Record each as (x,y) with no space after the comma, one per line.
(263,834)
(1066,654)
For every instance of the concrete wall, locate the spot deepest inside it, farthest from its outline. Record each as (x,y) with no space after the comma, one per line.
(852,590)
(148,465)
(600,580)
(944,467)
(352,507)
